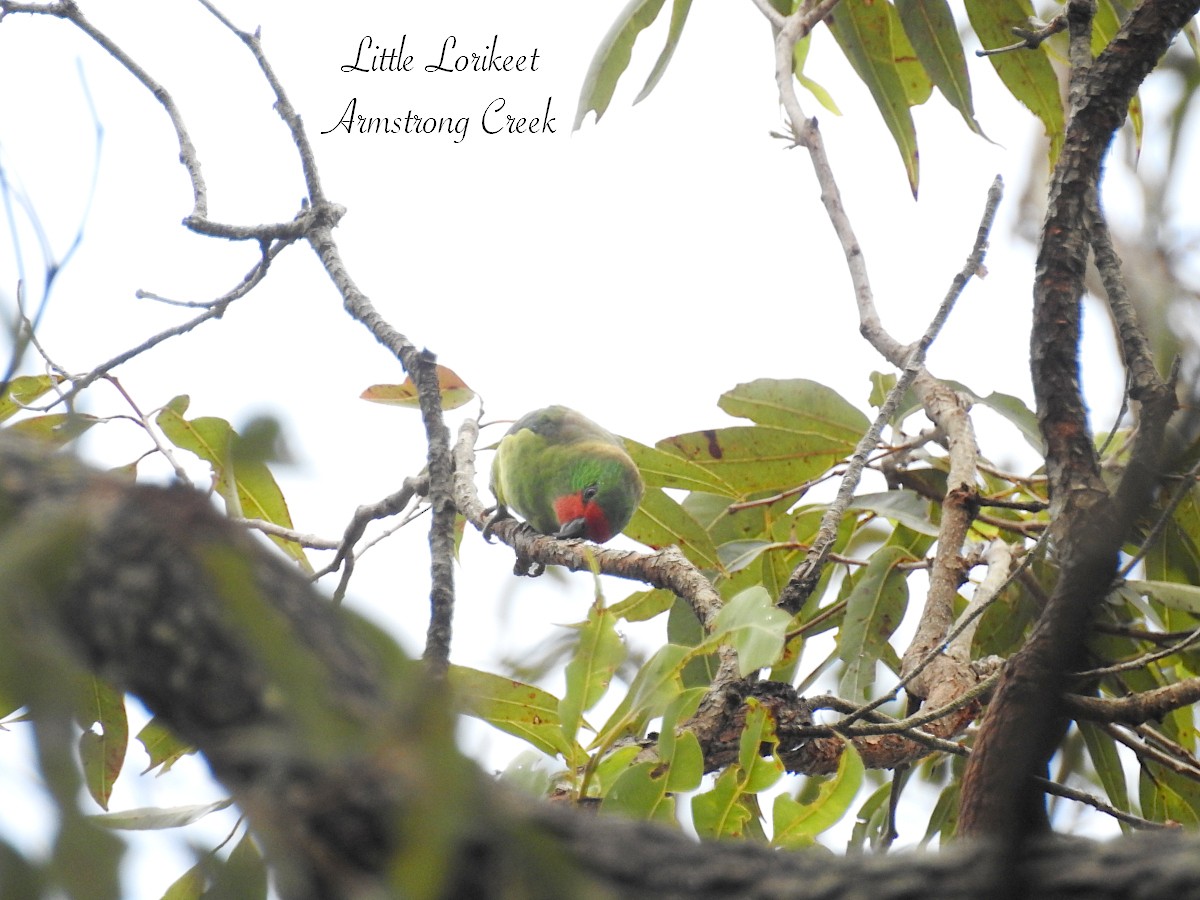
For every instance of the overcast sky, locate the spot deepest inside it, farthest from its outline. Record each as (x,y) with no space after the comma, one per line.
(634,270)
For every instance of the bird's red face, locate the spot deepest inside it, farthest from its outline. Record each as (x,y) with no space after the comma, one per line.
(579,515)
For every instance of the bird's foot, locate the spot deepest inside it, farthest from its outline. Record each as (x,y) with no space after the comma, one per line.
(492,515)
(526,566)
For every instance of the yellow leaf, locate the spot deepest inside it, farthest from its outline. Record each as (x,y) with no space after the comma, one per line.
(453,389)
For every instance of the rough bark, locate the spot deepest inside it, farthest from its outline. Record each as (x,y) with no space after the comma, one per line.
(342,754)
(1027,715)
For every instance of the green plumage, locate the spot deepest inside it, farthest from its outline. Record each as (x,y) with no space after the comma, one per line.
(566,476)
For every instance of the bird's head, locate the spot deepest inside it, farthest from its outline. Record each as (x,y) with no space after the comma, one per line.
(603,495)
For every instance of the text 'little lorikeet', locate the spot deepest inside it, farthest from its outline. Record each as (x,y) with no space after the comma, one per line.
(566,476)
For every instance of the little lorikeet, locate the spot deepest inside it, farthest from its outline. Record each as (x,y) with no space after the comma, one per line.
(566,476)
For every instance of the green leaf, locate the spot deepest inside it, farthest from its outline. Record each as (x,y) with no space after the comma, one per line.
(930,27)
(1027,74)
(874,608)
(680,709)
(757,458)
(162,746)
(904,507)
(102,751)
(759,771)
(610,767)
(736,555)
(687,764)
(599,651)
(641,606)
(55,429)
(798,824)
(679,14)
(681,752)
(749,523)
(1167,796)
(799,57)
(662,469)
(918,87)
(944,818)
(871,818)
(640,792)
(755,628)
(717,813)
(188,886)
(23,390)
(731,809)
(1184,597)
(153,818)
(244,483)
(527,772)
(863,30)
(244,874)
(1103,751)
(660,522)
(516,708)
(915,542)
(797,405)
(656,684)
(612,58)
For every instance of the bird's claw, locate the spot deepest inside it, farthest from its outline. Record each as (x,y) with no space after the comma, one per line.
(493,515)
(526,566)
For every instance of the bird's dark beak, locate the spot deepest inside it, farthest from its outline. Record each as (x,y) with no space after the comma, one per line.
(572,529)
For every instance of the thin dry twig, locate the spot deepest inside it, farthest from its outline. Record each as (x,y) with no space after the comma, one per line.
(1031,38)
(320,219)
(314,223)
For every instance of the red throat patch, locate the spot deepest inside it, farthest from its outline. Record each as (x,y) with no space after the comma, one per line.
(571,506)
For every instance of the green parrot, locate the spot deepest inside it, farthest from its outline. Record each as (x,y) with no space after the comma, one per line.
(566,476)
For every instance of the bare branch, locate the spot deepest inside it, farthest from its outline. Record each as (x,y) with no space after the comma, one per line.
(389,506)
(1026,717)
(1031,38)
(215,309)
(67,9)
(313,541)
(1136,709)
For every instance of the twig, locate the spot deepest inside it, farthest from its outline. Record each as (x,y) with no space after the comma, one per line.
(363,516)
(965,622)
(143,420)
(889,725)
(999,560)
(1160,740)
(1182,492)
(878,724)
(1031,39)
(1141,634)
(216,309)
(1135,709)
(1141,661)
(187,152)
(312,541)
(1152,754)
(804,579)
(1069,793)
(319,221)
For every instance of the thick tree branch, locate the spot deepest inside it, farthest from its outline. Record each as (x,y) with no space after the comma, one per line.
(1136,709)
(345,762)
(1027,715)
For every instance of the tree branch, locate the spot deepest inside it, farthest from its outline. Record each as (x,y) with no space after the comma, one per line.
(1027,715)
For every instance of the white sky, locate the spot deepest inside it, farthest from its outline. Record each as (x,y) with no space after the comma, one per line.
(634,270)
